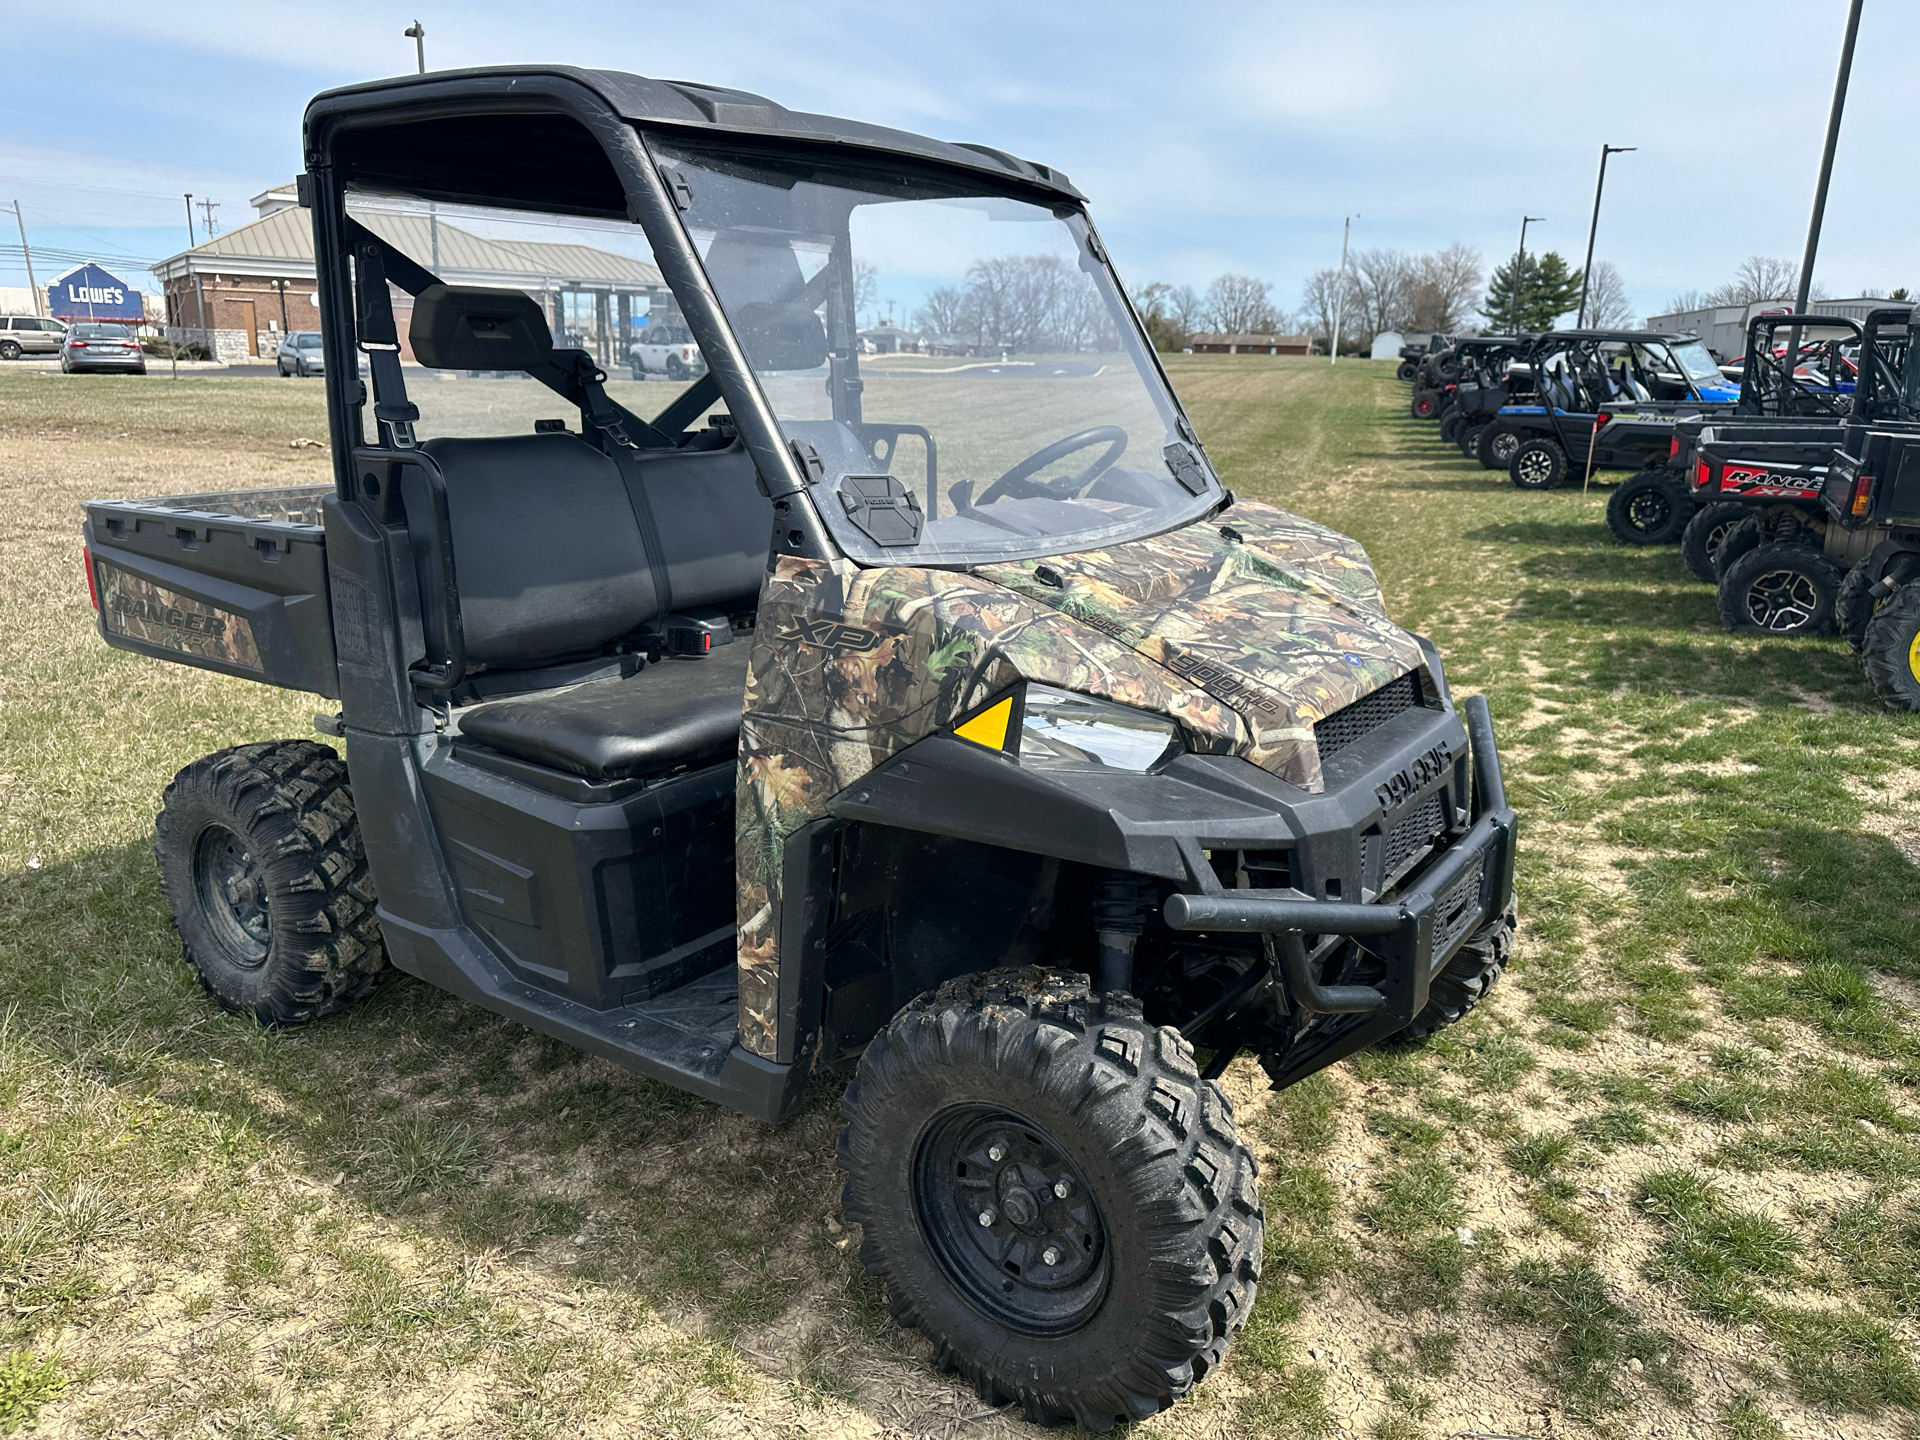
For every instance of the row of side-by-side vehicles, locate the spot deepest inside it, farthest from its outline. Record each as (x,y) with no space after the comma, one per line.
(1784,476)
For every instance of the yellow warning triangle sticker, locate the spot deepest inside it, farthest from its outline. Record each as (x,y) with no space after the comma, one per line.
(989,727)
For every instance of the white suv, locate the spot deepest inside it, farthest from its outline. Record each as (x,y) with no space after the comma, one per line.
(24,335)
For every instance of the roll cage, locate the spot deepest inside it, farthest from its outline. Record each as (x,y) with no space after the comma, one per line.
(571,141)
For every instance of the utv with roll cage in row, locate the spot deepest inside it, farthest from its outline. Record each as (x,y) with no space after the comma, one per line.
(943,720)
(1777,404)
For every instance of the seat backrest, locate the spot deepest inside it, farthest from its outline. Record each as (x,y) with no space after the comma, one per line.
(547,552)
(713,522)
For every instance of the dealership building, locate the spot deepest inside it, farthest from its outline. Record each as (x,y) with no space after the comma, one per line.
(239,292)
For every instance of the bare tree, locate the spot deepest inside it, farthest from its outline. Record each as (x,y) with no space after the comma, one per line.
(866,288)
(1760,277)
(1607,305)
(1187,308)
(1382,290)
(1238,305)
(1322,297)
(1445,288)
(1155,303)
(947,312)
(1684,301)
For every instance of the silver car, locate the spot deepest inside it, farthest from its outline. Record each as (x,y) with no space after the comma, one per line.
(299,354)
(100,345)
(26,335)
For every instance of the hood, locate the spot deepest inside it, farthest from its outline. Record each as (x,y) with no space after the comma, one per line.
(1274,616)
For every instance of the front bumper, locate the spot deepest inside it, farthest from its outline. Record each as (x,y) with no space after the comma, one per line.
(1415,935)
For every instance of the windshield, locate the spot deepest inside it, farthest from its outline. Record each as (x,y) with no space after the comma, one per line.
(1698,364)
(961,372)
(306,340)
(101,332)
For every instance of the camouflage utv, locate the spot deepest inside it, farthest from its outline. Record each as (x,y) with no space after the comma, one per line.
(932,712)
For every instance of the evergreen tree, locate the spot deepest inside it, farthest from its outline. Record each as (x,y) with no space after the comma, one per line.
(1547,288)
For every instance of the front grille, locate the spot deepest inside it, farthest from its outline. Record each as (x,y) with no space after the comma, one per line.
(1458,907)
(1367,714)
(1410,835)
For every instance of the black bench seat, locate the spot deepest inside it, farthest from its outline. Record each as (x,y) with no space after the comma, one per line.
(672,714)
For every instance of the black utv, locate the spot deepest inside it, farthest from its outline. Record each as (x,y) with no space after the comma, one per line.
(950,723)
(1755,477)
(1603,400)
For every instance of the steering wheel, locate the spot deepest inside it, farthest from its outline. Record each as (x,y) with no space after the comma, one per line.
(1065,487)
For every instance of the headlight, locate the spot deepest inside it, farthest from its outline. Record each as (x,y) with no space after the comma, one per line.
(1048,729)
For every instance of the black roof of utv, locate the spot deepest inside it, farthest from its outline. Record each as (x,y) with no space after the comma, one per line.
(358,127)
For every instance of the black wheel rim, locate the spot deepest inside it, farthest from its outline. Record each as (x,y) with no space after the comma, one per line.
(1503,447)
(1781,600)
(233,896)
(1650,512)
(1010,1220)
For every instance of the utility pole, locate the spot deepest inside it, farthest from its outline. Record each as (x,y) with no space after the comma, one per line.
(39,301)
(417,33)
(190,240)
(1520,267)
(207,207)
(1340,291)
(1805,295)
(1586,275)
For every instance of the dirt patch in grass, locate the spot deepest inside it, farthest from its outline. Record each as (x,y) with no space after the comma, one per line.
(1660,1184)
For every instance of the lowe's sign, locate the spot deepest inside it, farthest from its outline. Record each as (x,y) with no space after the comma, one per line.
(87,292)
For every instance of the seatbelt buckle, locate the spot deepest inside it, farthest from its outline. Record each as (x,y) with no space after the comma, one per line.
(695,635)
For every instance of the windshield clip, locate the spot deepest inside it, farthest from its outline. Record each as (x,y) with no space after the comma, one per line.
(1186,466)
(812,468)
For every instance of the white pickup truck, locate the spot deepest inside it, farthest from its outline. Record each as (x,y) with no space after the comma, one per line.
(668,352)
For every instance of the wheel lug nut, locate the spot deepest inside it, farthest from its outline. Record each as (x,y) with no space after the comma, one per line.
(1061,1189)
(996,1153)
(988,1216)
(1051,1255)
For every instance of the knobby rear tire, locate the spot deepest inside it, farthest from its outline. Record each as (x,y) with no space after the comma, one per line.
(267,833)
(1706,532)
(1785,588)
(1650,508)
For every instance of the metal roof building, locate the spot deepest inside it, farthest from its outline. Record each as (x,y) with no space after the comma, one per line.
(240,288)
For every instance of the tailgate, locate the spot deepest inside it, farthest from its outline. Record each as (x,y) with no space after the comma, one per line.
(234,582)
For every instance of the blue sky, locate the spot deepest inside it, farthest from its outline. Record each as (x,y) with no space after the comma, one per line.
(1210,136)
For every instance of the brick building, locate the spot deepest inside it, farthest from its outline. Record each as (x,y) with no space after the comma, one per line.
(239,292)
(1211,344)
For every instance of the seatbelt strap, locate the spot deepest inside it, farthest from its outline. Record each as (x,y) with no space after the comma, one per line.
(628,460)
(380,340)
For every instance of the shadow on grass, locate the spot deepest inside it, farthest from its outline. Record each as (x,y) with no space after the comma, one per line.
(443,1115)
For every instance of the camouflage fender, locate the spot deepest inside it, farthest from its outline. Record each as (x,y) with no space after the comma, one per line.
(850,666)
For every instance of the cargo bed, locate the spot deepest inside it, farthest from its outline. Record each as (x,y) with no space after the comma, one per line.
(233,581)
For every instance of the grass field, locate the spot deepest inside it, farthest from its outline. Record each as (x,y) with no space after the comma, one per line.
(1664,1184)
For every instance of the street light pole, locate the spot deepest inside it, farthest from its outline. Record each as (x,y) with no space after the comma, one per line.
(1520,267)
(189,199)
(1340,291)
(417,33)
(1586,274)
(1805,295)
(39,300)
